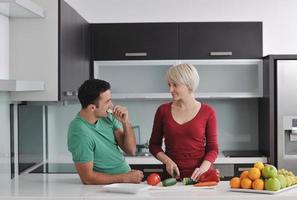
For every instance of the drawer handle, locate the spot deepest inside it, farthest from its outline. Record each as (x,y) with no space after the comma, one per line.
(136,54)
(220,53)
(241,169)
(152,170)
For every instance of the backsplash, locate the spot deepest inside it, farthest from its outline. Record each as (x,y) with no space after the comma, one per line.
(237,123)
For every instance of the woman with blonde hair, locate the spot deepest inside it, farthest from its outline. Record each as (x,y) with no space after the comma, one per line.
(188,127)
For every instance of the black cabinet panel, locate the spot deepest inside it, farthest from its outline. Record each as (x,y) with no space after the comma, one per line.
(74,51)
(134,41)
(219,40)
(147,169)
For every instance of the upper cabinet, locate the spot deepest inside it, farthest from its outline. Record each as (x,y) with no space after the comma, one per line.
(197,40)
(54,49)
(21,8)
(135,41)
(220,40)
(74,52)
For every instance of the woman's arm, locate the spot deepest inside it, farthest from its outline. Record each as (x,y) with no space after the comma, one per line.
(171,167)
(212,147)
(155,142)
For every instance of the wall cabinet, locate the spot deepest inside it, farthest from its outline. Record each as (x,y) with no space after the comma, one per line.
(74,52)
(213,40)
(54,49)
(197,40)
(134,41)
(218,78)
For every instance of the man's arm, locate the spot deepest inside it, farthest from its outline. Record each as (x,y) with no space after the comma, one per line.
(126,139)
(90,177)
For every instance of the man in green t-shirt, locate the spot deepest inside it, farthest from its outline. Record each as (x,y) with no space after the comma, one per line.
(95,135)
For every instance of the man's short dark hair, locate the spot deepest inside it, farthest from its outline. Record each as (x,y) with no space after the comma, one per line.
(89,92)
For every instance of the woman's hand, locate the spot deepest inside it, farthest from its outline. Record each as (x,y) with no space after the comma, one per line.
(199,171)
(172,169)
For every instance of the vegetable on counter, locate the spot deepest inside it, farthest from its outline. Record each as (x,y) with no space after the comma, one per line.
(188,181)
(169,182)
(211,175)
(207,183)
(153,179)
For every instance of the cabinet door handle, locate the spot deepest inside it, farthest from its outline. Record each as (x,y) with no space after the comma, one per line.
(136,54)
(75,93)
(152,170)
(68,93)
(220,53)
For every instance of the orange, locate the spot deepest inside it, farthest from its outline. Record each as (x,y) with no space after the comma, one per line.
(244,174)
(258,184)
(235,182)
(254,173)
(246,183)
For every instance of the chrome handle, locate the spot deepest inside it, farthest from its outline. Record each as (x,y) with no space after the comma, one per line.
(152,170)
(136,54)
(240,169)
(71,93)
(220,53)
(68,93)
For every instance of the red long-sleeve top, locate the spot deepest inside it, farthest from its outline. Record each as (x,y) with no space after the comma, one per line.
(186,144)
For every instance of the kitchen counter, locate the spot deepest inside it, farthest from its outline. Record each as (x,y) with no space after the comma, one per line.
(68,186)
(220,160)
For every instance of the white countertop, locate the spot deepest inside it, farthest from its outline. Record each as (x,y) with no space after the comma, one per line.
(143,160)
(220,160)
(68,186)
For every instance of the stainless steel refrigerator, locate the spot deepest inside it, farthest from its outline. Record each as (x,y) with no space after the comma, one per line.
(286,101)
(278,111)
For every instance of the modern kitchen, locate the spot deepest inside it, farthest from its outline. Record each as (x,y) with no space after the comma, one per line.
(244,51)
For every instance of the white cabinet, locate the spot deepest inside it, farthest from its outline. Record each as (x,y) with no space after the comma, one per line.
(21,8)
(146,79)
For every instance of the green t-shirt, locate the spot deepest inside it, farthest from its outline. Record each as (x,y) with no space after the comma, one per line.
(96,143)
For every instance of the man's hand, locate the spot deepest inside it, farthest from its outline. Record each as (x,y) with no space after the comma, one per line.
(121,113)
(133,176)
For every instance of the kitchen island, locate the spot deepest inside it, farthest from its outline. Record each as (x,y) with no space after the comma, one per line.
(68,186)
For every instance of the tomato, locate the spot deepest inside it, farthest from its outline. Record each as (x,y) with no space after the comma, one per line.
(153,179)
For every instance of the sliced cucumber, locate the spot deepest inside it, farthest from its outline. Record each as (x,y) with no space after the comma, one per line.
(169,182)
(188,181)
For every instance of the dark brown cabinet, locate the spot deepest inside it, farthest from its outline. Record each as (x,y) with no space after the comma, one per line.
(194,40)
(220,40)
(74,51)
(148,169)
(134,41)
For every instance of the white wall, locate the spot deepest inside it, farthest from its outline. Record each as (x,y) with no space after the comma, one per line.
(278,16)
(4,102)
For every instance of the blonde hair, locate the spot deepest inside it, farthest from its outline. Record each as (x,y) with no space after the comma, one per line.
(185,74)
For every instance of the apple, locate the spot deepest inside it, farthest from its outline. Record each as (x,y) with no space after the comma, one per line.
(282,180)
(269,171)
(272,184)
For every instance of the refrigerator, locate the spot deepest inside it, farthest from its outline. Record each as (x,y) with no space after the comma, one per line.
(279,106)
(287,114)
